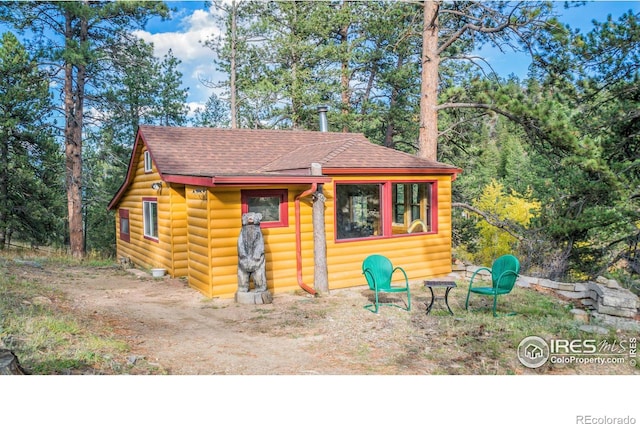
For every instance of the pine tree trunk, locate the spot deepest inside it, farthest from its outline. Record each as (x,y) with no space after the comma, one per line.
(391,127)
(428,133)
(4,190)
(9,364)
(74,108)
(345,89)
(233,67)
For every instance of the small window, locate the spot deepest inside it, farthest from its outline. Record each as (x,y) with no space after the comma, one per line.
(124,225)
(272,204)
(148,167)
(358,210)
(150,217)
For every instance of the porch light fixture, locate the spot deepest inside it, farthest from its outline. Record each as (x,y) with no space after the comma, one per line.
(156,186)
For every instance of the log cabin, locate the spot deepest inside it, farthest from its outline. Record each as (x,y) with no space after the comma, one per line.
(186,189)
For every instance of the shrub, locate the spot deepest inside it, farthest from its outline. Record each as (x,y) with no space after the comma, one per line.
(511,208)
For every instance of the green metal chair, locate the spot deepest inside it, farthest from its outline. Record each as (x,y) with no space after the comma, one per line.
(504,273)
(378,270)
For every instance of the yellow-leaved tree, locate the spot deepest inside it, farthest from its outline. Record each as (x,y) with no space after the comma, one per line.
(513,208)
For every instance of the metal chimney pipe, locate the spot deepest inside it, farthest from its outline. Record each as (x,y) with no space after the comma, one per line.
(324,125)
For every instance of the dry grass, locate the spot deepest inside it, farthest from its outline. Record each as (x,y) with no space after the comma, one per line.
(53,337)
(397,342)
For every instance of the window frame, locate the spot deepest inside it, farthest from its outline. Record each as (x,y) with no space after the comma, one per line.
(123,216)
(281,194)
(388,207)
(424,204)
(378,227)
(148,163)
(147,226)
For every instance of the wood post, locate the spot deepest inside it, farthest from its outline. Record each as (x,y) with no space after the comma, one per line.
(320,274)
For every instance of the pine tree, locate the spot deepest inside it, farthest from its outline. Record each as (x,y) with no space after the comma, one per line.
(214,114)
(139,89)
(29,167)
(76,37)
(451,30)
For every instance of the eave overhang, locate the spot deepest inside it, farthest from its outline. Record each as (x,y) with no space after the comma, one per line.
(228,180)
(245,180)
(393,171)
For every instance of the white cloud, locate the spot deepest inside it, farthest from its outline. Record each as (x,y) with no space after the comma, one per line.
(186,44)
(193,106)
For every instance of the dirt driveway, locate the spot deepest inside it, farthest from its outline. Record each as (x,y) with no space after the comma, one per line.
(172,329)
(181,332)
(184,333)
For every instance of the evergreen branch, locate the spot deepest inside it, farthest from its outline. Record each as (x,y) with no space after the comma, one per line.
(478,106)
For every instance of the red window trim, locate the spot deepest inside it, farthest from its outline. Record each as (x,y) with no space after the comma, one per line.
(433,201)
(386,198)
(384,193)
(124,214)
(284,205)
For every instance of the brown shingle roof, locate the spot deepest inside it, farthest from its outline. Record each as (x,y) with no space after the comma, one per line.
(215,152)
(211,156)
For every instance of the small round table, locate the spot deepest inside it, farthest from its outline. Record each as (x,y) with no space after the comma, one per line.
(439,283)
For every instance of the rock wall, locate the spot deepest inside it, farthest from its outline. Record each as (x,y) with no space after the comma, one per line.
(603,299)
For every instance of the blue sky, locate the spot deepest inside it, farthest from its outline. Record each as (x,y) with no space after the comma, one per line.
(193,23)
(577,18)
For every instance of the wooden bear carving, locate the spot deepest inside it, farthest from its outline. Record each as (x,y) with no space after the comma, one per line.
(251,262)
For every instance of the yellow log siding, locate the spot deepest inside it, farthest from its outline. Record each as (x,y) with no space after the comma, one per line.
(280,242)
(421,256)
(141,251)
(198,240)
(178,207)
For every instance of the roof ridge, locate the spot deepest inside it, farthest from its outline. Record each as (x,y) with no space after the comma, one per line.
(347,144)
(256,130)
(267,167)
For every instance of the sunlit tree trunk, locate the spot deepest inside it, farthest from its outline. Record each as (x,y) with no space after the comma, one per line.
(428,132)
(345,89)
(4,190)
(73,108)
(232,77)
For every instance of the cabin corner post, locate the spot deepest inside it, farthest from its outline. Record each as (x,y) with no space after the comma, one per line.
(320,274)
